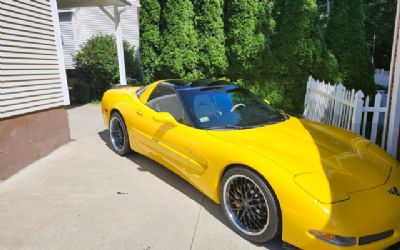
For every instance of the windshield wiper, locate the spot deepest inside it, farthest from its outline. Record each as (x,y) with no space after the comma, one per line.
(225,127)
(266,123)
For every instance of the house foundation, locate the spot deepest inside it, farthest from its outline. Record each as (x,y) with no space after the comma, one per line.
(26,138)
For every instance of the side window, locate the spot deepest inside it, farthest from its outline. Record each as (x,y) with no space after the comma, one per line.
(140,92)
(160,91)
(165,99)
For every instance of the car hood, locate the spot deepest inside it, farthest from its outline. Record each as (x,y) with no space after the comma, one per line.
(327,162)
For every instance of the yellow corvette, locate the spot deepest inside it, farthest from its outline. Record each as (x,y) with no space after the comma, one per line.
(315,186)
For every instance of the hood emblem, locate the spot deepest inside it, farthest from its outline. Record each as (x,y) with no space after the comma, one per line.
(394,191)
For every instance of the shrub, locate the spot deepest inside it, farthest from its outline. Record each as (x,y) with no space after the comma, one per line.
(97,63)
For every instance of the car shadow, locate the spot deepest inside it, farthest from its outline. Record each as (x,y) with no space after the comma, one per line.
(147,165)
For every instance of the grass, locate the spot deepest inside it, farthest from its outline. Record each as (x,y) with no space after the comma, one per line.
(95,102)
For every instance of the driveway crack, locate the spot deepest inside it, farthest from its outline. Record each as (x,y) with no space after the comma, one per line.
(197,221)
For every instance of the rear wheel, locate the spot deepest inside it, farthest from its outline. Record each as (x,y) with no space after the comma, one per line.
(249,205)
(119,135)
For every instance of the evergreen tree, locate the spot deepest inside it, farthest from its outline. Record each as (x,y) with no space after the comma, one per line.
(297,49)
(346,38)
(211,38)
(247,26)
(379,24)
(150,38)
(326,66)
(179,56)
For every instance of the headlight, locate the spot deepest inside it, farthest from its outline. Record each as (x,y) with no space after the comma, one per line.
(334,239)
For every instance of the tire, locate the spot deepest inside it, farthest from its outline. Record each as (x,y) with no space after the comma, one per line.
(118,135)
(249,205)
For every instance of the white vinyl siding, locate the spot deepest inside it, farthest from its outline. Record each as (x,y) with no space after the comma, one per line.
(30,77)
(90,21)
(67,37)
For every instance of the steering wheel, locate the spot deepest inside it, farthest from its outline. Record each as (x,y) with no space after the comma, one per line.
(237,106)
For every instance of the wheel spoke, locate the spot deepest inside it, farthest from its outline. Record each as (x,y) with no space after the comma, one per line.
(242,214)
(247,205)
(257,220)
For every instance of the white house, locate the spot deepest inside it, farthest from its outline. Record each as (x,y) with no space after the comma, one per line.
(33,85)
(79,24)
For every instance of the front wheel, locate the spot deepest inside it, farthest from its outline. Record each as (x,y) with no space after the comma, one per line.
(249,205)
(119,135)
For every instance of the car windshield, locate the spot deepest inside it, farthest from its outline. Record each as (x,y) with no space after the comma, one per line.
(227,107)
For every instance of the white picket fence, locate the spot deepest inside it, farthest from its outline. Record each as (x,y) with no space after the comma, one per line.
(348,109)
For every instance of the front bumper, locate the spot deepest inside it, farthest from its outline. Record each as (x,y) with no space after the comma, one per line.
(367,214)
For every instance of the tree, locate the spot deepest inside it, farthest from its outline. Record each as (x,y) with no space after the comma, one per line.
(211,38)
(179,56)
(379,28)
(150,38)
(248,29)
(346,38)
(298,49)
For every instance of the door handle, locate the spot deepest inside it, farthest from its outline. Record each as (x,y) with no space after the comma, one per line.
(139,112)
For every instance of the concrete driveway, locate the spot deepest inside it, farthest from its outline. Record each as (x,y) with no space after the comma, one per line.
(84,196)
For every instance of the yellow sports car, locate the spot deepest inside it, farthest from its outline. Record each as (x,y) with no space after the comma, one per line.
(315,186)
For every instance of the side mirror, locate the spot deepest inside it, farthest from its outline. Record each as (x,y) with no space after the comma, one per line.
(165,117)
(267,101)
